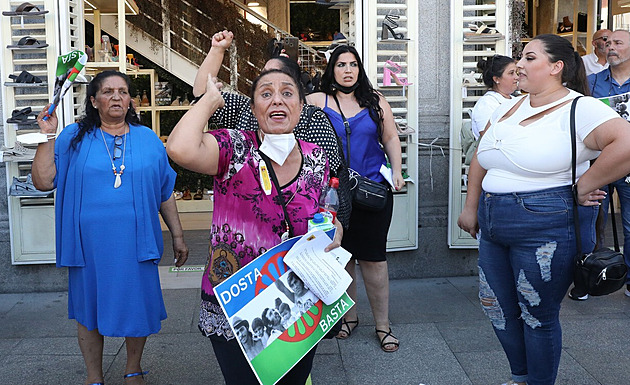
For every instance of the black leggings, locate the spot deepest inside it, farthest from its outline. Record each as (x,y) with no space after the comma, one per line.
(236,369)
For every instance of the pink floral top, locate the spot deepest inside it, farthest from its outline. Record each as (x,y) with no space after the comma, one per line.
(245,221)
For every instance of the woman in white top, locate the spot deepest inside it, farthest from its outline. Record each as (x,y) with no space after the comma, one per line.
(519,196)
(500,76)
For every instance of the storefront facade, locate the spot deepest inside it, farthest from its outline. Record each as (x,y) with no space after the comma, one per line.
(424,240)
(423,250)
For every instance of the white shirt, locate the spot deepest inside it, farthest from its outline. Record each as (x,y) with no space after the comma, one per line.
(538,156)
(483,110)
(591,64)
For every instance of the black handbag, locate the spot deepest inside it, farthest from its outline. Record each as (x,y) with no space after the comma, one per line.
(366,193)
(604,270)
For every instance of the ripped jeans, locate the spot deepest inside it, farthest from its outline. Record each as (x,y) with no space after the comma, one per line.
(526,255)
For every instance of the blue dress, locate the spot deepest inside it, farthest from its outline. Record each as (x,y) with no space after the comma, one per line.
(115,291)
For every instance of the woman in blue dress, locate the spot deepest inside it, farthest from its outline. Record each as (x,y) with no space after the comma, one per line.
(107,226)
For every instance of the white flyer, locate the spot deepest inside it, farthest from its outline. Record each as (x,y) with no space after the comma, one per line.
(323,272)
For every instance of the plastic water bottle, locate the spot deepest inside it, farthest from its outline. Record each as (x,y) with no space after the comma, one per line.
(320,222)
(329,201)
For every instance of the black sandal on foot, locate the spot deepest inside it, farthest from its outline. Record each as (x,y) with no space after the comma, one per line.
(385,344)
(349,328)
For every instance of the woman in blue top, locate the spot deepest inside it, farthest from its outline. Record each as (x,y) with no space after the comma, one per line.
(107,226)
(373,135)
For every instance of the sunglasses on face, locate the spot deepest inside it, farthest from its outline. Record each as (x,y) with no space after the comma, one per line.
(118,141)
(604,38)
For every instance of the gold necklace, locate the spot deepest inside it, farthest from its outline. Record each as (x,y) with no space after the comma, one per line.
(117,181)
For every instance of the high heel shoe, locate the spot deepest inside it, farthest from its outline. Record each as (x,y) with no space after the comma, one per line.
(403,128)
(388,26)
(390,70)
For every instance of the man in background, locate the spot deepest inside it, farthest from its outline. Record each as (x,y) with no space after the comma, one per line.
(595,61)
(614,81)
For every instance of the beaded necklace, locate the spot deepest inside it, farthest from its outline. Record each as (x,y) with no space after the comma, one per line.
(117,180)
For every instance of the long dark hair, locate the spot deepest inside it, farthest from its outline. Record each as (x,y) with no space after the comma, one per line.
(365,94)
(494,66)
(560,49)
(91,119)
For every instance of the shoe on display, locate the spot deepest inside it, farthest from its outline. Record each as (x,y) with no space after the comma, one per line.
(17,153)
(25,77)
(83,79)
(19,188)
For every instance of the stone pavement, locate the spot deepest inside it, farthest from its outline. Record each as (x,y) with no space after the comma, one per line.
(445,340)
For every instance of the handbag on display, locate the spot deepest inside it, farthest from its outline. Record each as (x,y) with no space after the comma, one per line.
(604,270)
(366,193)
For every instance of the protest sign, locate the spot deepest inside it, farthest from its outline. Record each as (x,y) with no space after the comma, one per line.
(275,318)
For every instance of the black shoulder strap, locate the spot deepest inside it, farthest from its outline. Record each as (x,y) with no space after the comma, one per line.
(283,204)
(346,125)
(576,217)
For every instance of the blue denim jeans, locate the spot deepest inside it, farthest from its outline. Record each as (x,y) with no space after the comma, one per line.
(526,256)
(623,189)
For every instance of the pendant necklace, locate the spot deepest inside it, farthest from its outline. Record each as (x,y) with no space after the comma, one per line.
(117,181)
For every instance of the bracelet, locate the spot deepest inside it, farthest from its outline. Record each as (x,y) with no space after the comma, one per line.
(198,98)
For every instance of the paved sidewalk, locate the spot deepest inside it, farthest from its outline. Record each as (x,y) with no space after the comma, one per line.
(445,340)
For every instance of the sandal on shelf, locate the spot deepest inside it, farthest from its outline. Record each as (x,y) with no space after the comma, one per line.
(25,9)
(23,116)
(470,79)
(388,26)
(482,32)
(347,327)
(28,42)
(186,194)
(199,194)
(25,77)
(136,374)
(393,70)
(404,129)
(384,344)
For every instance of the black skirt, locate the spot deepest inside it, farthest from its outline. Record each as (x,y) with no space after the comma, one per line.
(366,238)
